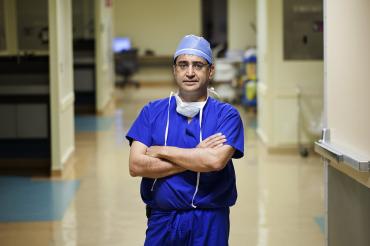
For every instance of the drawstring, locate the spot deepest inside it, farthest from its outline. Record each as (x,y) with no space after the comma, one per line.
(166,132)
(198,173)
(168,120)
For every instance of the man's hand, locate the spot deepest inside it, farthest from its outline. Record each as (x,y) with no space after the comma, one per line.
(143,165)
(215,141)
(153,151)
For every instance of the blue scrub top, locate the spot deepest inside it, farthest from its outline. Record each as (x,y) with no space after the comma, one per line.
(216,189)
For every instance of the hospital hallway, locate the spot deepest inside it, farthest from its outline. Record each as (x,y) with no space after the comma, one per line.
(96,202)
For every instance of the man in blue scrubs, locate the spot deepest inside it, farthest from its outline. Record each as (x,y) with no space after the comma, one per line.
(182,147)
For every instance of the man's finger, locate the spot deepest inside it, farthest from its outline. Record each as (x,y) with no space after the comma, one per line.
(217,139)
(216,143)
(218,146)
(212,137)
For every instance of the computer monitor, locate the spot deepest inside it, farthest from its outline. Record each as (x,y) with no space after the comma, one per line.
(121,44)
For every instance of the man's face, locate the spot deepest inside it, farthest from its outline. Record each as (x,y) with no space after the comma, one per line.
(192,73)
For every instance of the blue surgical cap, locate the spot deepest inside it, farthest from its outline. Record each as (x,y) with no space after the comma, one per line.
(194,45)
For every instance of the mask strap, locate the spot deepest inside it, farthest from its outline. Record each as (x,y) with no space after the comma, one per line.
(200,124)
(166,132)
(168,119)
(198,173)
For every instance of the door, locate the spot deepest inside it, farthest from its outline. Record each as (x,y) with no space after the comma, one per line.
(61,83)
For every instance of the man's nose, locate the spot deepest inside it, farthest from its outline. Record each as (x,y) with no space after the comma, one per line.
(190,71)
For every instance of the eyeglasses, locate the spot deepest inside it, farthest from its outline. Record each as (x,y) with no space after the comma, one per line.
(184,66)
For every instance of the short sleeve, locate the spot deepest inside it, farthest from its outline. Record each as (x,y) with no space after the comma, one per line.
(140,129)
(231,126)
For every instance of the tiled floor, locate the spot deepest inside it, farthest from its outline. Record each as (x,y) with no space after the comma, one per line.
(25,200)
(280,195)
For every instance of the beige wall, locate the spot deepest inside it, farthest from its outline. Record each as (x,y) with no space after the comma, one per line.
(157,25)
(277,94)
(241,18)
(347,76)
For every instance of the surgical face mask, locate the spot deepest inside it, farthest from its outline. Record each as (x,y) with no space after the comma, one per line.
(188,109)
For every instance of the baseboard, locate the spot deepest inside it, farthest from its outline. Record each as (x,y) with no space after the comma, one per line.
(68,166)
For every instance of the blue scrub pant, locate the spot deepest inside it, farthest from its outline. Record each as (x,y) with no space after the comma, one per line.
(188,227)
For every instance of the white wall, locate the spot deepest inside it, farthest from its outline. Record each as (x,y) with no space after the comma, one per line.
(11,39)
(17,18)
(35,20)
(347,114)
(277,95)
(157,25)
(241,17)
(347,75)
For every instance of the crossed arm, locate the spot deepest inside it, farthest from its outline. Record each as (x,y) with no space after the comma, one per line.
(161,161)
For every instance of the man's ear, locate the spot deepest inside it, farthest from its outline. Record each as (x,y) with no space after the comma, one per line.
(211,71)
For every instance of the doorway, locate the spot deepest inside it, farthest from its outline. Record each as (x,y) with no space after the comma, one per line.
(214,24)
